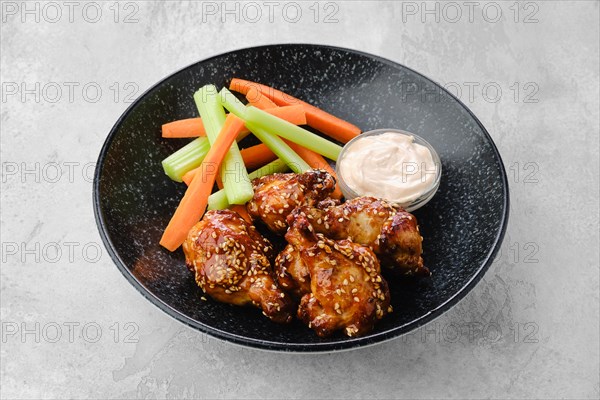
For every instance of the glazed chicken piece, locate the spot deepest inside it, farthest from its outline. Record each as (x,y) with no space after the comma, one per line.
(345,288)
(232,264)
(390,231)
(276,195)
(292,272)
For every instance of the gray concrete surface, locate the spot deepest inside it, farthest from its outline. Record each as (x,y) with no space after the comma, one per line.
(72,327)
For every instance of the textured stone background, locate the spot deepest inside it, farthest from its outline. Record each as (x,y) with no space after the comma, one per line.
(534,317)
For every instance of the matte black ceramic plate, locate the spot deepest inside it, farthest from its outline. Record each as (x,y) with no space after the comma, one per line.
(463,225)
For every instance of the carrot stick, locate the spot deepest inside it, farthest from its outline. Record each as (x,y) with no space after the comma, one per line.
(259,100)
(254,157)
(188,177)
(316,161)
(293,114)
(257,156)
(194,127)
(329,124)
(184,128)
(192,206)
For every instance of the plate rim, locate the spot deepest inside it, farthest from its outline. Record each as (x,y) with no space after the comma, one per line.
(345,343)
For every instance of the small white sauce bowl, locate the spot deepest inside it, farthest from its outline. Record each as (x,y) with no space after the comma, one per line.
(415,204)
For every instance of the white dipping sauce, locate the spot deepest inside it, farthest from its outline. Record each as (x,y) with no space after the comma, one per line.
(390,166)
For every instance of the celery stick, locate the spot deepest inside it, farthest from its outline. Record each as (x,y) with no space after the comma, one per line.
(271,168)
(291,132)
(186,159)
(233,171)
(189,157)
(232,103)
(273,142)
(280,148)
(212,114)
(218,200)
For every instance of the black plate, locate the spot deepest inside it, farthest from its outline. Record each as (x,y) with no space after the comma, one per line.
(463,225)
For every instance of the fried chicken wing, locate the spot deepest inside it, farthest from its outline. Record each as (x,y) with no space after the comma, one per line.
(276,195)
(346,290)
(389,230)
(232,264)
